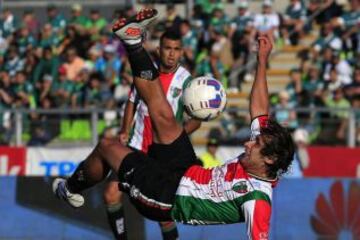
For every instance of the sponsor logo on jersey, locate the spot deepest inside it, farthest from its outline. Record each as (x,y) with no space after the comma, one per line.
(240,187)
(217,187)
(176,92)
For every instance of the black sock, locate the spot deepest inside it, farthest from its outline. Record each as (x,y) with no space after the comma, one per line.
(78,182)
(116,220)
(169,231)
(141,64)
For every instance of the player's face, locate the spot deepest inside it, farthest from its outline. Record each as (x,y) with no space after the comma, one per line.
(253,158)
(170,53)
(253,148)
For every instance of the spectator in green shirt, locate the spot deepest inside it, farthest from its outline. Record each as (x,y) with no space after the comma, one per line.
(30,63)
(62,89)
(241,27)
(93,92)
(244,21)
(349,24)
(211,65)
(209,5)
(326,39)
(25,41)
(349,18)
(23,91)
(189,43)
(313,84)
(8,24)
(48,37)
(219,22)
(48,64)
(334,82)
(78,20)
(96,24)
(44,88)
(13,62)
(294,20)
(56,19)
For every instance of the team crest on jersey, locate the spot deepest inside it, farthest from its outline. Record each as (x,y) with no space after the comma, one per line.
(240,187)
(176,92)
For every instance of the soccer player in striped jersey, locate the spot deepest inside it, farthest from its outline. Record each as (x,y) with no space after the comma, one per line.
(171,184)
(173,78)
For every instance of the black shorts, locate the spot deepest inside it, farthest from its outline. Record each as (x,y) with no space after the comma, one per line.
(152,180)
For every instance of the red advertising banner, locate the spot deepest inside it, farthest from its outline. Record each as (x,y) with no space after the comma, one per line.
(322,161)
(12,161)
(333,162)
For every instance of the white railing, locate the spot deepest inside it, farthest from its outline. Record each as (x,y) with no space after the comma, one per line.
(19,125)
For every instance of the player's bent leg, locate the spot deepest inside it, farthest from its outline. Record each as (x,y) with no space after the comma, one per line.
(108,154)
(114,208)
(112,195)
(161,114)
(146,80)
(113,152)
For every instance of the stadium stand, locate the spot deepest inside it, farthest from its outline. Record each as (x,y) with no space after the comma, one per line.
(72,61)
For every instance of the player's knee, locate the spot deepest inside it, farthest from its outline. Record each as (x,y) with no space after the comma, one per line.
(111,194)
(105,144)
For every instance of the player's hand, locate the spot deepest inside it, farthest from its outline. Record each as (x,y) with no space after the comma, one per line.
(124,138)
(265,41)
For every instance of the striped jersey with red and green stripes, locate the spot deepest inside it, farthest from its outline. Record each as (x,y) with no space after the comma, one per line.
(226,194)
(173,85)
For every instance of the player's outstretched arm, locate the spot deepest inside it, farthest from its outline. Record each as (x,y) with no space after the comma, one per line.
(259,99)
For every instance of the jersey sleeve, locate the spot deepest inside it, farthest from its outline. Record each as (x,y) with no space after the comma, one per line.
(257,124)
(257,215)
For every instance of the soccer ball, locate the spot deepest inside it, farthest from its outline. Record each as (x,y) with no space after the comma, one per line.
(204,98)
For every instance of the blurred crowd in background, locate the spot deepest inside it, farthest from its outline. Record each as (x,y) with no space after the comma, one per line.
(76,62)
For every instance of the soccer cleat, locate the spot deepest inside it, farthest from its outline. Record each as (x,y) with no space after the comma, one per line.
(75,200)
(131,30)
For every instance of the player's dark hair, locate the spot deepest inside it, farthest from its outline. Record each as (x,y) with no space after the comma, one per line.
(278,146)
(172,35)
